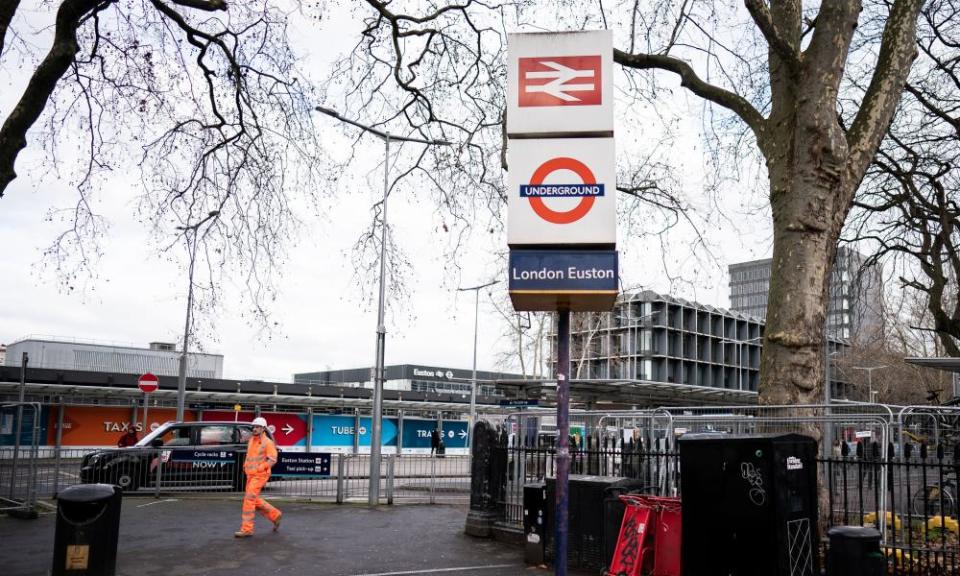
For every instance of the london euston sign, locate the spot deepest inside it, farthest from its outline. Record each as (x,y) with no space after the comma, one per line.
(562,191)
(577,280)
(560,83)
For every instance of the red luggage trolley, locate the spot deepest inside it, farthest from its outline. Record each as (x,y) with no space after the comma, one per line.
(649,542)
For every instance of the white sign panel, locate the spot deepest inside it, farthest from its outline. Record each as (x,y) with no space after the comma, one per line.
(559,83)
(562,191)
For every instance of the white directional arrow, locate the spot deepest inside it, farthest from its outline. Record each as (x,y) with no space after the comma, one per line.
(560,75)
(288,429)
(463,433)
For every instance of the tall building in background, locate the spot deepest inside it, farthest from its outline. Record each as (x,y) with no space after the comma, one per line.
(855,293)
(160,358)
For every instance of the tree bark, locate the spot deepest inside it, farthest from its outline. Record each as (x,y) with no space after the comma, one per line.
(815,170)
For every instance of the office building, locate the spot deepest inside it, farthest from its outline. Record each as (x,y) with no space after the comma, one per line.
(855,293)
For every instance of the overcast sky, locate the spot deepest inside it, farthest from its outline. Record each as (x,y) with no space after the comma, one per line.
(326,320)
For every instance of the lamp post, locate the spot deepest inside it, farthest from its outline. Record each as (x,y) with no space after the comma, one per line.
(378,376)
(869,370)
(473,381)
(827,443)
(187,230)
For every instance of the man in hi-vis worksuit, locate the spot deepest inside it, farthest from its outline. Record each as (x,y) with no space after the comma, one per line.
(261,456)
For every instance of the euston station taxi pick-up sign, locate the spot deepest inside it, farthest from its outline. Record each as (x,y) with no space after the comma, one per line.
(560,83)
(562,191)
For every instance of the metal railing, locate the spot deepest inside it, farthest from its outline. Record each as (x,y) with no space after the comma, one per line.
(206,470)
(895,468)
(18,472)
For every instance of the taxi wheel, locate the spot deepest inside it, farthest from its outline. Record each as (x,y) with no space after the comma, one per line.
(126,480)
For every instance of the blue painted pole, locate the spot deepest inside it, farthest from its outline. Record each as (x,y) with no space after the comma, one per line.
(563,439)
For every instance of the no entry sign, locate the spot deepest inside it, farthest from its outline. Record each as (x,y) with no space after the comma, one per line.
(148,383)
(562,191)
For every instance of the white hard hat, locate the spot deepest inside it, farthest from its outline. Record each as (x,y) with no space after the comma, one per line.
(260,421)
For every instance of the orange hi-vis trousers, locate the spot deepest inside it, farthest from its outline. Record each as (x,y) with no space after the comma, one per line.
(252,501)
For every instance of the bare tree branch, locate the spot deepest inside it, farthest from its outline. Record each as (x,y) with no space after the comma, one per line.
(690,80)
(13,133)
(7,10)
(897,52)
(786,51)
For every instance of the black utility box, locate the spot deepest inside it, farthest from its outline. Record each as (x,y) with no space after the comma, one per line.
(855,551)
(88,526)
(588,544)
(749,505)
(534,522)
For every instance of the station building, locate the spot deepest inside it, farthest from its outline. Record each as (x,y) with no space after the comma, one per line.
(413,378)
(160,358)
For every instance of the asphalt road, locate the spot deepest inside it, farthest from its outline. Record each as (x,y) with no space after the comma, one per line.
(193,537)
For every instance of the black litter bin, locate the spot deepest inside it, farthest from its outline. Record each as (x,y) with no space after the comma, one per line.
(534,522)
(855,551)
(441,449)
(88,525)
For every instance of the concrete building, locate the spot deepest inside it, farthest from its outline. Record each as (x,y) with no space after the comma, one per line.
(855,293)
(3,354)
(411,377)
(660,338)
(160,358)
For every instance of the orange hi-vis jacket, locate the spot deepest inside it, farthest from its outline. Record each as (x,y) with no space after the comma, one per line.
(261,456)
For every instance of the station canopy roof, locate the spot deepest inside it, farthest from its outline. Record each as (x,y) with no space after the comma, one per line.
(945,364)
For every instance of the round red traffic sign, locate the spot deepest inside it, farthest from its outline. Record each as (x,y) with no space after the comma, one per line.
(582,207)
(148,383)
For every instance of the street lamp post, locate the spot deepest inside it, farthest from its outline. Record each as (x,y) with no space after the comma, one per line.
(827,444)
(473,381)
(869,370)
(182,370)
(378,376)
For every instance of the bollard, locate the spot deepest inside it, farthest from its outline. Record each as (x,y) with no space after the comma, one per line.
(340,494)
(88,526)
(391,462)
(855,551)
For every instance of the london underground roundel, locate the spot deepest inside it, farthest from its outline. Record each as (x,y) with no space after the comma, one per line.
(561,191)
(588,185)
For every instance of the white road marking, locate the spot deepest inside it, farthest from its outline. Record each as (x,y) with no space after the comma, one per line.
(438,570)
(157,502)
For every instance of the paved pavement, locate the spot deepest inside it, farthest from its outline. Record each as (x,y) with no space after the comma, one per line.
(194,537)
